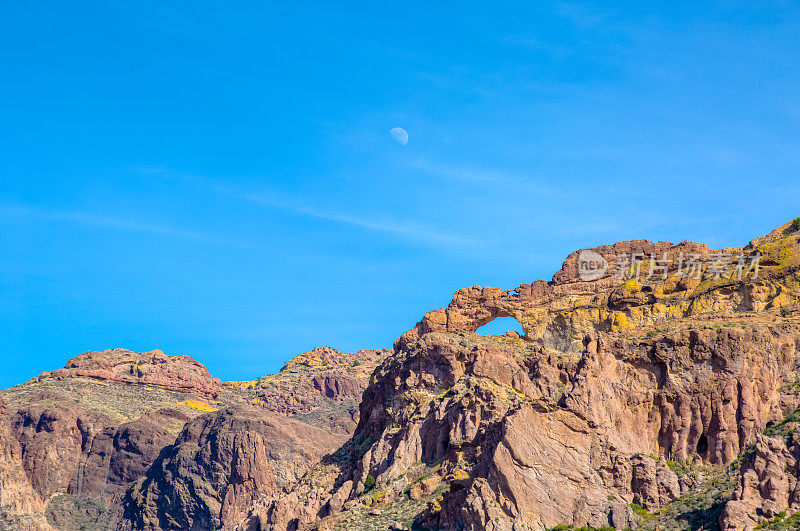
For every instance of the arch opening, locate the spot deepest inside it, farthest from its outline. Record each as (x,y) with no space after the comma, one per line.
(499,326)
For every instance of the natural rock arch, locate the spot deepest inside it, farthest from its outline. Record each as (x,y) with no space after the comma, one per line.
(501,325)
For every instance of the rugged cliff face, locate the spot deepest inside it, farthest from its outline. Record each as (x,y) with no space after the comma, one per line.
(591,419)
(520,437)
(20,505)
(219,464)
(85,432)
(111,432)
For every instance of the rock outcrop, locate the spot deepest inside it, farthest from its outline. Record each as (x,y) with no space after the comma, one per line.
(20,504)
(322,387)
(77,439)
(175,373)
(219,465)
(769,483)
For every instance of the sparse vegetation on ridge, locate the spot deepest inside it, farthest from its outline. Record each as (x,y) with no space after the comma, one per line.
(786,427)
(701,506)
(781,521)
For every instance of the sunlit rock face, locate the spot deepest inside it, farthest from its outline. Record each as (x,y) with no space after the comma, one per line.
(588,419)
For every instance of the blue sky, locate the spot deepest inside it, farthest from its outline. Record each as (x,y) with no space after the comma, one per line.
(218,179)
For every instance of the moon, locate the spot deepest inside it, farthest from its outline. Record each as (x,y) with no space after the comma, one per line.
(400,135)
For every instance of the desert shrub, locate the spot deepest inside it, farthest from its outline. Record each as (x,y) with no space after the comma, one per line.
(681,467)
(781,521)
(785,427)
(641,511)
(796,224)
(369,483)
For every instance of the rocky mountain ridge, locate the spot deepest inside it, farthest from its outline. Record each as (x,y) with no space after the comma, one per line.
(83,444)
(646,396)
(581,422)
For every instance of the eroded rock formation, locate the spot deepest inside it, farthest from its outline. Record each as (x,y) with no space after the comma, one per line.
(559,313)
(322,387)
(219,465)
(176,373)
(77,439)
(20,504)
(767,486)
(577,422)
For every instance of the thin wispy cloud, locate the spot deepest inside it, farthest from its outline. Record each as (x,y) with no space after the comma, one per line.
(35,213)
(408,230)
(501,182)
(465,174)
(412,231)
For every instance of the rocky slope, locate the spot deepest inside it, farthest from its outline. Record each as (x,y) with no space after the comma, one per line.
(156,369)
(321,387)
(591,417)
(115,430)
(87,430)
(219,464)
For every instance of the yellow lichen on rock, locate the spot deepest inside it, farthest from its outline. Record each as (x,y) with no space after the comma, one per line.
(619,321)
(780,252)
(199,405)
